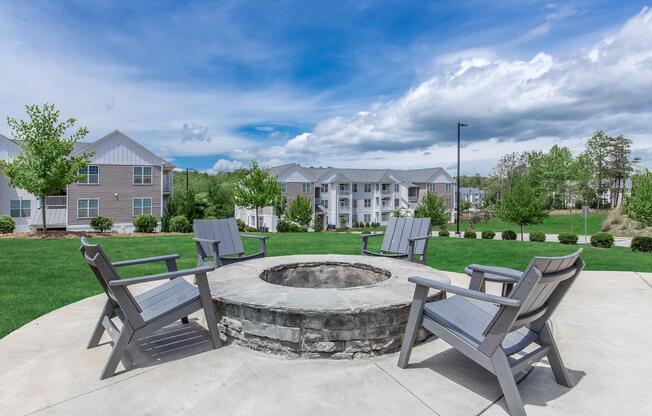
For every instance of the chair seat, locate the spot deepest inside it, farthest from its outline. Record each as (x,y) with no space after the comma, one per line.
(468,318)
(164,298)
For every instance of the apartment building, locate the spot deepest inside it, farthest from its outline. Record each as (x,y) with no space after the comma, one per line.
(123,179)
(355,195)
(474,196)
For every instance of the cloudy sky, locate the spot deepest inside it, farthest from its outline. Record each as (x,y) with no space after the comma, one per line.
(213,85)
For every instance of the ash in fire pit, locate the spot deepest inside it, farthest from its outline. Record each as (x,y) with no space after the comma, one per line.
(318,275)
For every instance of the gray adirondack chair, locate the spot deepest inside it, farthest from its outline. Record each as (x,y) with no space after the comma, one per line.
(149,311)
(494,331)
(221,240)
(404,238)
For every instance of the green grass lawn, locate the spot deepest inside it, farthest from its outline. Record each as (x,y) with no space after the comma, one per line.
(554,224)
(38,276)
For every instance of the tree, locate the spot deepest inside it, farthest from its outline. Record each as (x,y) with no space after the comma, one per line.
(280,206)
(257,189)
(300,211)
(45,165)
(433,207)
(400,212)
(523,203)
(639,203)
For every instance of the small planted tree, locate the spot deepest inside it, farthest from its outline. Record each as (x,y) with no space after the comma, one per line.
(639,204)
(523,204)
(45,165)
(433,207)
(300,211)
(257,189)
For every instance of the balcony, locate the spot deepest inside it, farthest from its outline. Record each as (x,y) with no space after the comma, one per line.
(58,201)
(343,208)
(386,191)
(413,199)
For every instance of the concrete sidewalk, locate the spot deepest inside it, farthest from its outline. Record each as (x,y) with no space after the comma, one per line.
(603,329)
(551,238)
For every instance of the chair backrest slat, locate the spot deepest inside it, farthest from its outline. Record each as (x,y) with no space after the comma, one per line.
(540,289)
(399,230)
(225,231)
(104,273)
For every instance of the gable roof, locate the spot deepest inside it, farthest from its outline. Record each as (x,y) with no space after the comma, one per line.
(103,145)
(332,175)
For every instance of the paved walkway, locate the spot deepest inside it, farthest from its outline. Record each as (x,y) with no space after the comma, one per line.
(552,238)
(603,329)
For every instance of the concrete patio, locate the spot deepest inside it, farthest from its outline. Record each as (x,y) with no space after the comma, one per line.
(603,328)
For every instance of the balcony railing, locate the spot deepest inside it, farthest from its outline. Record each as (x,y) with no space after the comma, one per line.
(413,199)
(57,201)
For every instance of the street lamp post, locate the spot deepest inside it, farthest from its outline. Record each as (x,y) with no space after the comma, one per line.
(457,191)
(188,178)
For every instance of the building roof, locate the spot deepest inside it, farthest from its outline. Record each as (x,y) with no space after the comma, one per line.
(471,190)
(332,175)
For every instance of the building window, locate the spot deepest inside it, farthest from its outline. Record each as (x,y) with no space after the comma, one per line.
(305,187)
(383,216)
(324,203)
(354,218)
(142,175)
(142,206)
(367,203)
(449,201)
(88,208)
(324,187)
(20,208)
(385,187)
(449,187)
(377,200)
(344,203)
(377,186)
(431,187)
(91,174)
(367,187)
(355,203)
(284,186)
(355,187)
(367,217)
(396,202)
(397,187)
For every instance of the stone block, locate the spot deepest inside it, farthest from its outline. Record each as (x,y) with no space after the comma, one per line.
(323,346)
(272,331)
(339,322)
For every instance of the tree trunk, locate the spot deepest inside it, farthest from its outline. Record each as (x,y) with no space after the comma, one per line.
(257,226)
(521,225)
(45,227)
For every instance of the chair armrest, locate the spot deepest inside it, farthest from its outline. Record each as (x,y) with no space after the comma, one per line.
(204,240)
(423,237)
(364,236)
(145,260)
(495,273)
(260,237)
(422,281)
(161,276)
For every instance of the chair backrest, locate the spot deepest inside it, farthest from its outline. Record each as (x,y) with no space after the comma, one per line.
(105,273)
(400,229)
(540,289)
(225,231)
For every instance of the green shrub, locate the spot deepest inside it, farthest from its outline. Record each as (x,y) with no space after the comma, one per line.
(179,224)
(145,223)
(537,237)
(165,223)
(101,224)
(375,224)
(488,235)
(444,233)
(602,240)
(641,243)
(508,235)
(470,234)
(568,238)
(289,227)
(7,224)
(241,225)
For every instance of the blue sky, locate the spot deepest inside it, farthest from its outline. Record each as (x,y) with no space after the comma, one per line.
(213,85)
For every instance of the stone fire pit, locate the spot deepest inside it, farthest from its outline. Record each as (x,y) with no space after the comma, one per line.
(318,306)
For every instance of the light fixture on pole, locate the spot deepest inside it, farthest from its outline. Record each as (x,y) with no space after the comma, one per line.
(457,190)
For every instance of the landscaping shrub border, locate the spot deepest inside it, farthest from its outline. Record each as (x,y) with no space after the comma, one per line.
(642,243)
(7,224)
(602,240)
(568,238)
(145,223)
(488,235)
(508,235)
(537,237)
(470,234)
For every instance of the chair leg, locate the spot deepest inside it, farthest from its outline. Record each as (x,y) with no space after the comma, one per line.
(413,324)
(209,311)
(118,350)
(503,372)
(96,336)
(554,357)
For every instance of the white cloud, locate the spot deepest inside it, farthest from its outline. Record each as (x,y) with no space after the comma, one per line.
(228,165)
(509,104)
